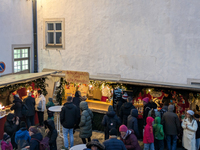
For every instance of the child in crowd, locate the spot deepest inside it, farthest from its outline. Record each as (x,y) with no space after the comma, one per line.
(22,138)
(158,134)
(148,138)
(196,116)
(6,142)
(50,104)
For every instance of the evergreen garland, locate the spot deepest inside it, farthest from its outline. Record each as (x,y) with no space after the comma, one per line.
(61,91)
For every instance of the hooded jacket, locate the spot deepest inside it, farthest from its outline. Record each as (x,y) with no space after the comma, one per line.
(68,115)
(158,129)
(22,134)
(114,144)
(35,138)
(148,131)
(52,134)
(30,103)
(125,112)
(170,122)
(86,121)
(110,117)
(10,128)
(76,101)
(131,142)
(6,146)
(17,106)
(133,122)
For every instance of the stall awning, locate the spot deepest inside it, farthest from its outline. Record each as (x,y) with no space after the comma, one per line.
(19,78)
(147,83)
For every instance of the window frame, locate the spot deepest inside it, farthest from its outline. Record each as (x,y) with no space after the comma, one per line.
(46,31)
(21,59)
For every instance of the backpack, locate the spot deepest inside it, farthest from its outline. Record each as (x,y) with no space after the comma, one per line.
(44,144)
(111,123)
(24,109)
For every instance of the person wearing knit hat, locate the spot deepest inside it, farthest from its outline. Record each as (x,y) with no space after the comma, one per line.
(110,120)
(145,100)
(113,143)
(22,137)
(6,142)
(196,116)
(147,107)
(189,126)
(95,145)
(171,126)
(50,104)
(128,138)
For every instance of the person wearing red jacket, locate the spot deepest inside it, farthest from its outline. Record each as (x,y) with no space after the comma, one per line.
(128,138)
(148,138)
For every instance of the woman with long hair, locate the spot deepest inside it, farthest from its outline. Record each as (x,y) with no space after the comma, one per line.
(189,126)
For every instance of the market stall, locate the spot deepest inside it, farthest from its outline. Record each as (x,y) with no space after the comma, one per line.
(19,84)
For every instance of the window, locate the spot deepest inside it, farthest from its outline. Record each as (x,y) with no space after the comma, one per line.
(21,60)
(54,33)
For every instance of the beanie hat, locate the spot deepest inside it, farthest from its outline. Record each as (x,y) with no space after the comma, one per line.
(171,107)
(154,105)
(196,115)
(22,124)
(6,137)
(113,131)
(50,99)
(110,108)
(33,129)
(123,128)
(190,112)
(125,96)
(146,99)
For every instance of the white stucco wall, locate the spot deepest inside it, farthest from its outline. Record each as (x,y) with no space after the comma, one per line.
(15,29)
(147,40)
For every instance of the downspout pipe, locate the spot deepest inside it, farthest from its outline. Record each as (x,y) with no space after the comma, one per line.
(35,35)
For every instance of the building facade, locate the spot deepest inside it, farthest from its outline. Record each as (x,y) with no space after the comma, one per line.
(16,36)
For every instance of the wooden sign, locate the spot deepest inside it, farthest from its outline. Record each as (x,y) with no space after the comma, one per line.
(77,77)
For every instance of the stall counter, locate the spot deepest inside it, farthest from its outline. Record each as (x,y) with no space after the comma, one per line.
(98,106)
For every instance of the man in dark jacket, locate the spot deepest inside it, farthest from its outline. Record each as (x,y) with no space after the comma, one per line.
(30,103)
(147,107)
(164,109)
(17,106)
(120,102)
(126,109)
(110,120)
(113,143)
(171,126)
(11,127)
(52,134)
(133,122)
(68,118)
(76,101)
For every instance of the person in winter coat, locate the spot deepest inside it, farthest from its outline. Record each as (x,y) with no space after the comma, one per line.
(30,103)
(128,138)
(68,118)
(22,138)
(95,145)
(148,138)
(120,102)
(154,112)
(10,127)
(5,143)
(196,116)
(50,104)
(86,122)
(164,109)
(171,126)
(76,101)
(126,109)
(36,136)
(158,134)
(17,106)
(189,126)
(113,143)
(52,134)
(133,122)
(146,109)
(110,120)
(40,107)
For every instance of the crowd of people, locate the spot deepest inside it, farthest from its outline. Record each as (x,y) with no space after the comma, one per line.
(160,127)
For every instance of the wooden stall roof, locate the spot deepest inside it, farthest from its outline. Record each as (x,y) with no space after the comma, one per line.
(19,78)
